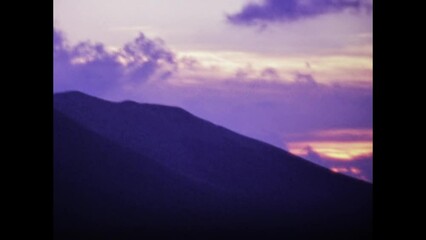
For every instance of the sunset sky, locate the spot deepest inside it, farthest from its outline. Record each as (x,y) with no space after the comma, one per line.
(294,73)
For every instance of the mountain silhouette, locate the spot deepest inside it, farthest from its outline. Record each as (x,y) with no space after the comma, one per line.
(131,171)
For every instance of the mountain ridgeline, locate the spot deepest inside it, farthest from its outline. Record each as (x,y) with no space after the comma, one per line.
(131,171)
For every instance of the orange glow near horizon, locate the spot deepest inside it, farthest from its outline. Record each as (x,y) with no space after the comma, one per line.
(339,169)
(345,151)
(354,171)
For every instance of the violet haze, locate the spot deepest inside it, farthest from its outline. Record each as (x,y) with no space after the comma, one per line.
(293,73)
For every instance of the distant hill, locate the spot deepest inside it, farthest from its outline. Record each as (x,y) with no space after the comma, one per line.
(128,170)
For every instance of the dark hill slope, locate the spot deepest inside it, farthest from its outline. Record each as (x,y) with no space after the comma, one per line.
(140,167)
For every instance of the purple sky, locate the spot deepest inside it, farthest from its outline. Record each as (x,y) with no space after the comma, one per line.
(294,73)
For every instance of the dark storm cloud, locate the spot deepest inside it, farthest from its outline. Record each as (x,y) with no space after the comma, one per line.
(292,10)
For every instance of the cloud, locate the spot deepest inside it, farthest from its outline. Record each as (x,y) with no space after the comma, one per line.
(305,79)
(360,167)
(335,135)
(91,68)
(292,10)
(346,151)
(270,73)
(58,40)
(260,102)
